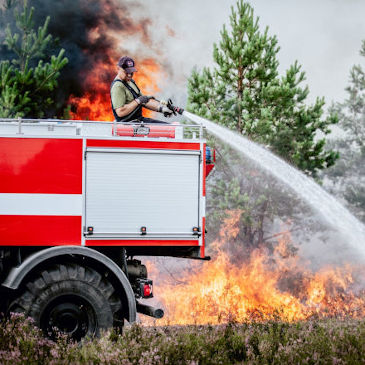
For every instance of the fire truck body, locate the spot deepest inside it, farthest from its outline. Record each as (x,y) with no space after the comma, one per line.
(92,195)
(99,190)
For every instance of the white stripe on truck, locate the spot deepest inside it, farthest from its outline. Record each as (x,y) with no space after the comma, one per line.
(40,204)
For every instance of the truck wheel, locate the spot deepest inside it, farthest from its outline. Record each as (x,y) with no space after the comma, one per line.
(73,299)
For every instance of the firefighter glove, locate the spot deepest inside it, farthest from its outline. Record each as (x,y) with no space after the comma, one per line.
(143,99)
(165,110)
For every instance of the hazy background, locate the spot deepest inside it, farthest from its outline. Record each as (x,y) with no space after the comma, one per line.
(323,35)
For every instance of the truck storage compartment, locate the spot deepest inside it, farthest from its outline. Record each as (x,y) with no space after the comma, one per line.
(128,189)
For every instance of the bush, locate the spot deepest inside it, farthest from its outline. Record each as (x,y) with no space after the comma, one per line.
(328,341)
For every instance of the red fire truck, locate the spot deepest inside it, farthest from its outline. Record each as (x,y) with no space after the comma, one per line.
(79,201)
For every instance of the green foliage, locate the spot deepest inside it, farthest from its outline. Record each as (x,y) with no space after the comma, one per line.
(28,81)
(348,175)
(274,342)
(245,93)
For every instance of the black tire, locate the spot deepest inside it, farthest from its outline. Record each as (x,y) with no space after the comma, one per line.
(76,300)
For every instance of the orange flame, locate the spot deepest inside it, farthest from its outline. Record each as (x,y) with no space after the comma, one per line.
(95,103)
(266,286)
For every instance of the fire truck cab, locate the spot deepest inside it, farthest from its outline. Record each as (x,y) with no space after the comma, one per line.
(79,200)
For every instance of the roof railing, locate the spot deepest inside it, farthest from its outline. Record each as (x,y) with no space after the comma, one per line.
(192,130)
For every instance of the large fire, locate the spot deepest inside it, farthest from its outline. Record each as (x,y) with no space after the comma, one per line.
(109,25)
(275,285)
(259,285)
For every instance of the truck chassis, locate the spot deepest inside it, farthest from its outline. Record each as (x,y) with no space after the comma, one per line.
(79,200)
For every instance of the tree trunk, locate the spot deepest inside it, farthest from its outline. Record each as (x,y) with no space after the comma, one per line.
(239,97)
(261,223)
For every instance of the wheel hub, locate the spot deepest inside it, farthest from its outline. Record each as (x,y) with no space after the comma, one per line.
(71,315)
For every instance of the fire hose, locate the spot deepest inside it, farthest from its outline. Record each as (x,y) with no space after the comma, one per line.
(169,104)
(175,109)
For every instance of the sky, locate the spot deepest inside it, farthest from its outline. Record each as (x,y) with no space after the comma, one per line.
(323,35)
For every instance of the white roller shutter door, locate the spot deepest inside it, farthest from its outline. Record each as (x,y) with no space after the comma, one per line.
(158,190)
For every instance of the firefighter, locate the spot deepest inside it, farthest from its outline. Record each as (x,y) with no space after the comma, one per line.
(126,98)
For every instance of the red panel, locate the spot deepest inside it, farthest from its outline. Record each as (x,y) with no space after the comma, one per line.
(204,166)
(40,165)
(142,144)
(202,249)
(141,242)
(154,131)
(209,168)
(38,230)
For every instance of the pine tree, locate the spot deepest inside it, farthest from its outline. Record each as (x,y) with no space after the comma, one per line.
(347,177)
(245,93)
(28,81)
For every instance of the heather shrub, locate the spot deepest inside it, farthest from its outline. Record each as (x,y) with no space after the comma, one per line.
(327,341)
(23,343)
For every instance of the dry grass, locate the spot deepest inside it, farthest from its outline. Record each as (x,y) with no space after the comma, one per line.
(328,341)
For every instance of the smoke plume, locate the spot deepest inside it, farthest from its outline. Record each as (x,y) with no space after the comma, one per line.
(94,34)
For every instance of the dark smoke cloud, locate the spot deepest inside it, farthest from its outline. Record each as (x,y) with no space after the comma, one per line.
(71,22)
(90,31)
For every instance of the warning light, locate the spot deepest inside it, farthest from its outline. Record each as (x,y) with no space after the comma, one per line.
(144,288)
(147,290)
(209,159)
(196,231)
(209,155)
(143,231)
(90,230)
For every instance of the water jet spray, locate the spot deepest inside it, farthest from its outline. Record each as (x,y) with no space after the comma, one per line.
(352,230)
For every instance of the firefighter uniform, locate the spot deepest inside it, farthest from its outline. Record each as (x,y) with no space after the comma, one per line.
(124,90)
(120,95)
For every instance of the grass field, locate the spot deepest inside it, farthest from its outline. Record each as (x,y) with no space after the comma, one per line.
(317,341)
